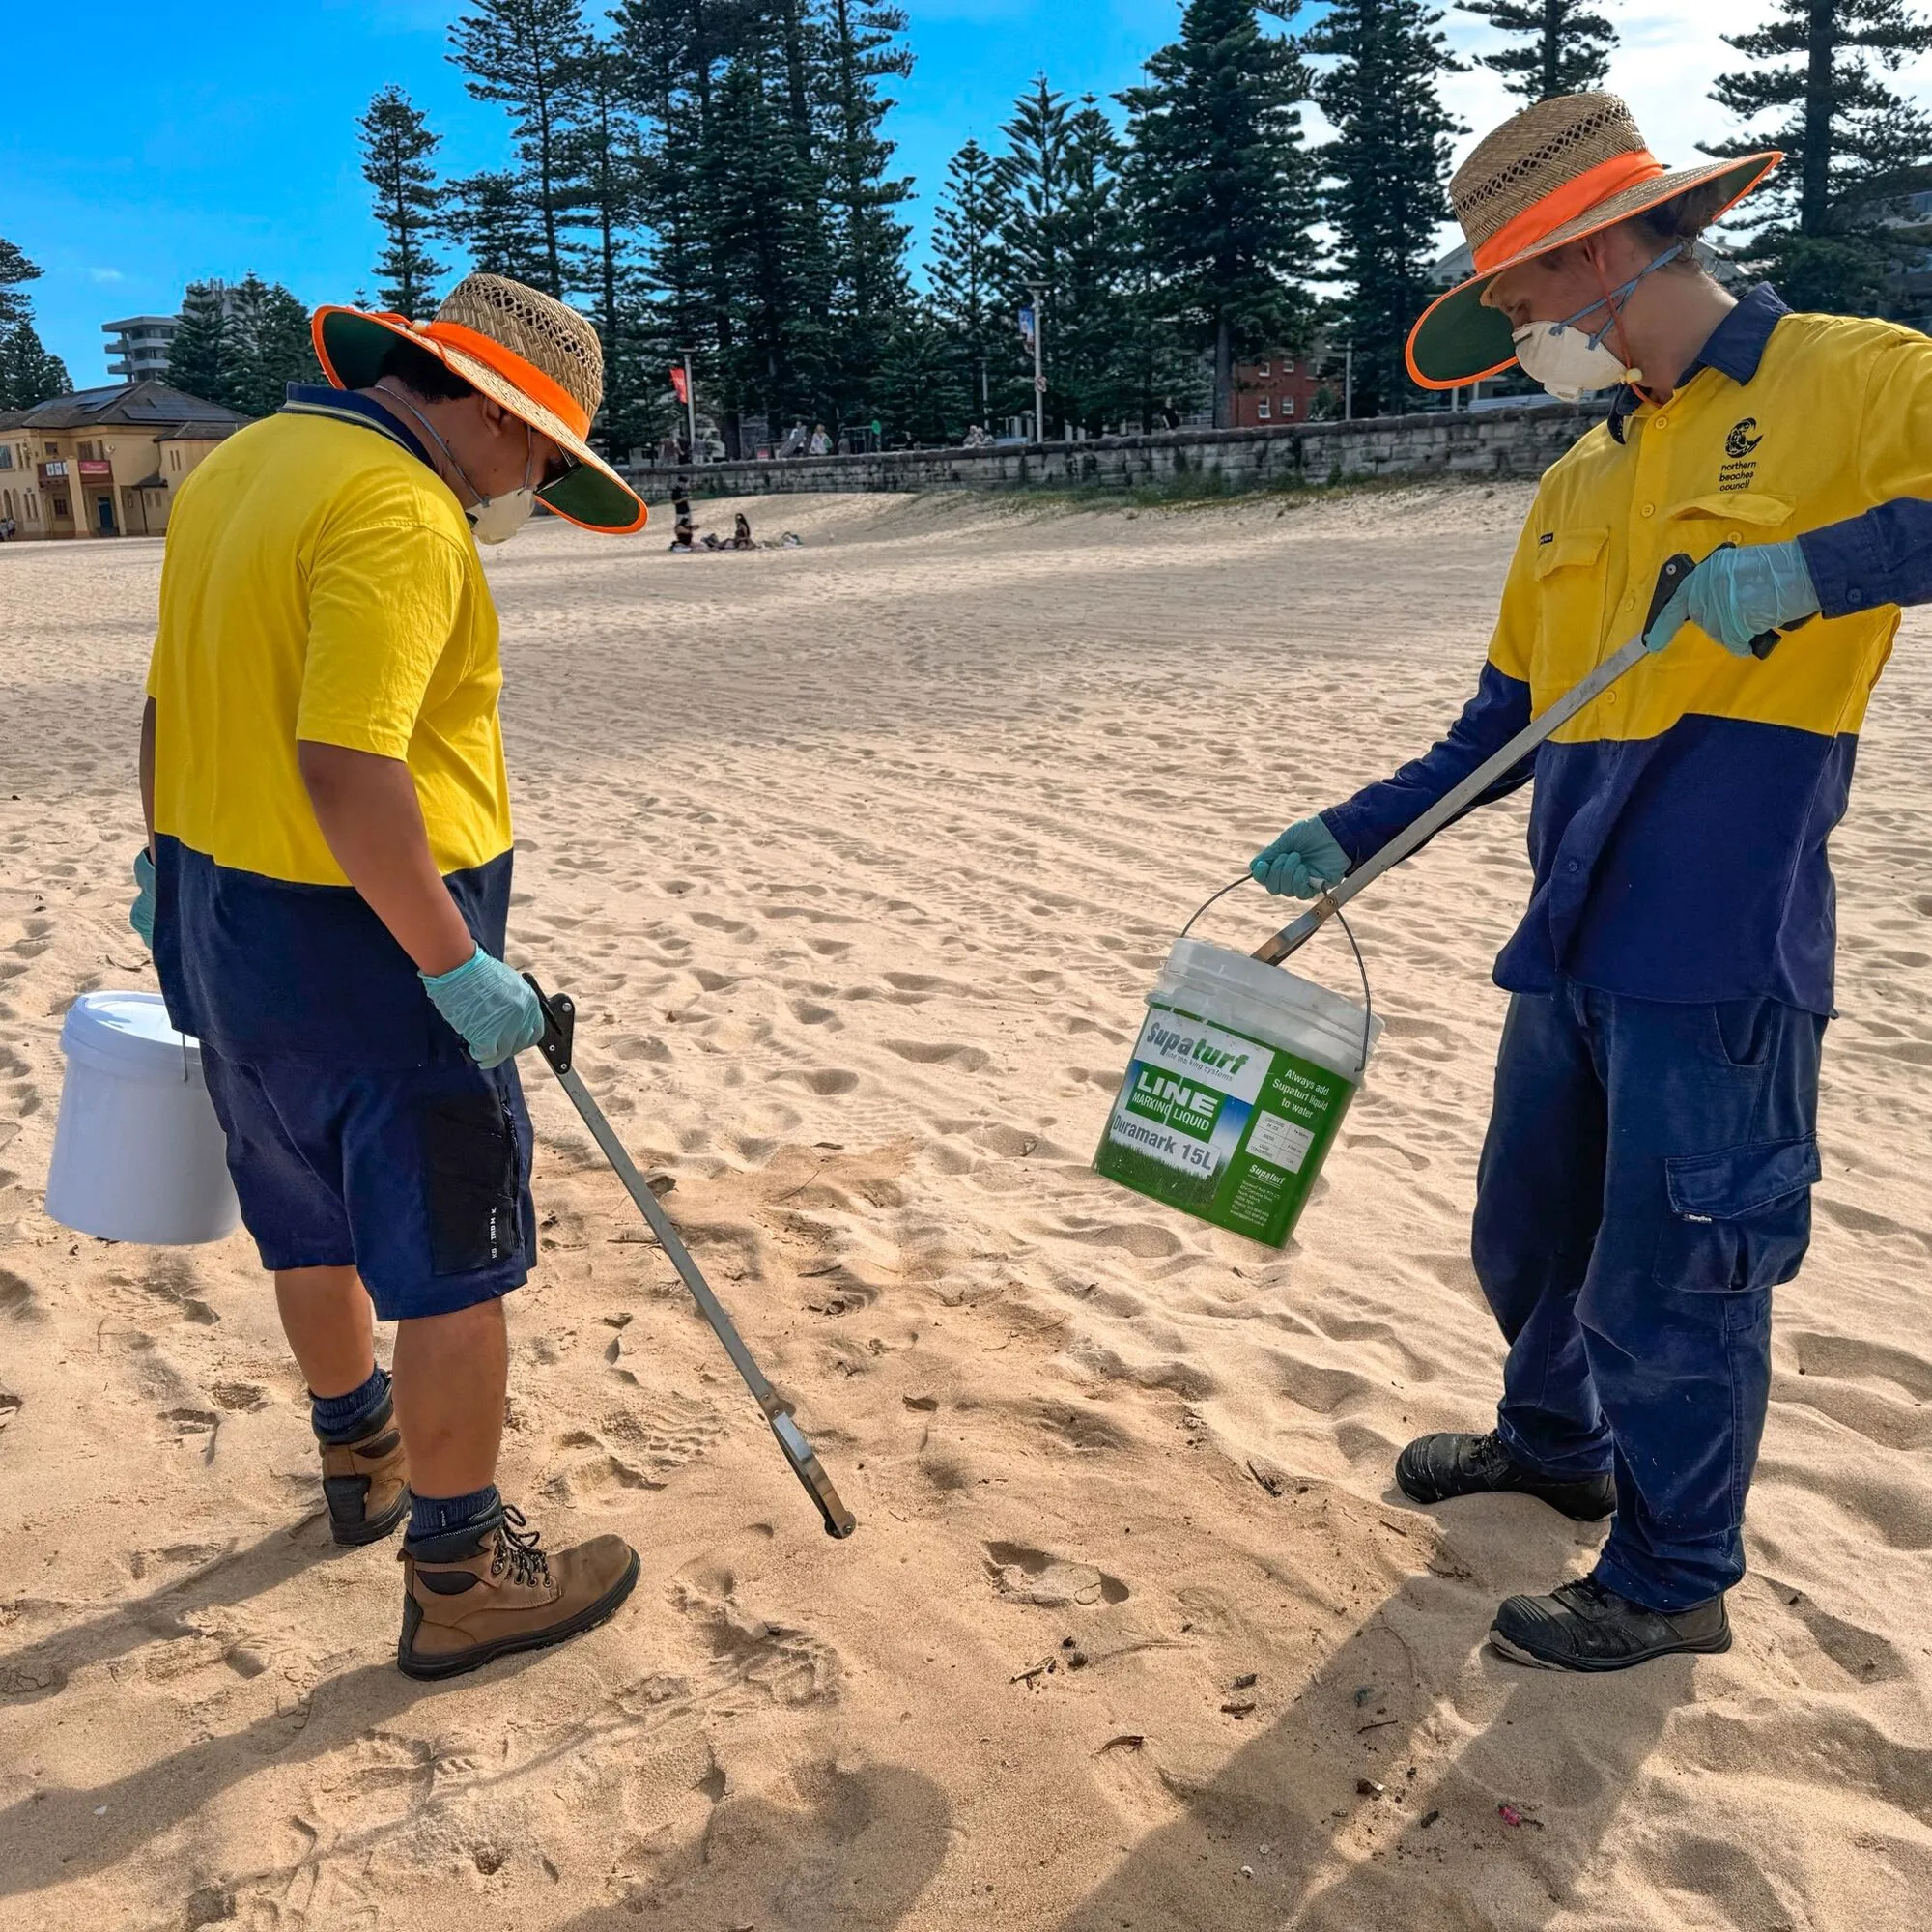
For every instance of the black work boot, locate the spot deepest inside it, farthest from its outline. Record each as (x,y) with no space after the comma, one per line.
(366,1480)
(1585,1626)
(1433,1468)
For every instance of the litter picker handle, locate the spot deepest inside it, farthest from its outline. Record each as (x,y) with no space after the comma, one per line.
(1456,801)
(1766,642)
(558,1046)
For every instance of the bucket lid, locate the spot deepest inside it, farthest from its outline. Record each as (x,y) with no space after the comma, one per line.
(130,1029)
(1343,1020)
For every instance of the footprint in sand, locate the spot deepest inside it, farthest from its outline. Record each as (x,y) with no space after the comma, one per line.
(1860,1655)
(665,1431)
(835,1290)
(592,1474)
(825,1080)
(939,1053)
(638,1046)
(792,1667)
(1081,1430)
(1049,1583)
(1146,1240)
(172,1280)
(16,1299)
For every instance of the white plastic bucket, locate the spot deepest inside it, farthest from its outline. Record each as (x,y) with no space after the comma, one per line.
(138,1154)
(1239,1083)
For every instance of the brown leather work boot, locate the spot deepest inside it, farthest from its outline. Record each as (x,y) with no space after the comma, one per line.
(486,1590)
(366,1482)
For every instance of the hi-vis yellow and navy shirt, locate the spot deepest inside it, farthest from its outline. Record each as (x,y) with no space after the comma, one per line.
(1678,834)
(319,583)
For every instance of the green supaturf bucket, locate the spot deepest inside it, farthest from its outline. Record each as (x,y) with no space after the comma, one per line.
(1239,1085)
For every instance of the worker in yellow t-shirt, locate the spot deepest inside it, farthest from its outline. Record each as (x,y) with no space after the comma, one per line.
(326,889)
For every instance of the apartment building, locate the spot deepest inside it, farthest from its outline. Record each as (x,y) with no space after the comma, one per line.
(137,346)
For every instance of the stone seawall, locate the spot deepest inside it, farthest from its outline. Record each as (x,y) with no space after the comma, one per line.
(1483,443)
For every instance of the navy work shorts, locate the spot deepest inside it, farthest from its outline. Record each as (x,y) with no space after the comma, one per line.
(418,1178)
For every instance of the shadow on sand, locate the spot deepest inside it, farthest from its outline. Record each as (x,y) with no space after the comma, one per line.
(1448,1742)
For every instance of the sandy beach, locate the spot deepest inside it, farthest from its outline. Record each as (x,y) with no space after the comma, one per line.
(859,859)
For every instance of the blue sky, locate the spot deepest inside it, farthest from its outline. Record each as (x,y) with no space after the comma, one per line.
(154,143)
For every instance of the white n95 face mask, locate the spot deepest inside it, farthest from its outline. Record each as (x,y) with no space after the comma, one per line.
(1570,362)
(497,519)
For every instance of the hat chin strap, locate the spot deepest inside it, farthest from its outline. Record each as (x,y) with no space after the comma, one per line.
(1632,375)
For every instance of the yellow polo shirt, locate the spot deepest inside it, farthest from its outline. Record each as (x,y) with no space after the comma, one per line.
(321,581)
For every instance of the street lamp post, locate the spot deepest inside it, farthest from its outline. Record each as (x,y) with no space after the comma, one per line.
(690,403)
(1038,291)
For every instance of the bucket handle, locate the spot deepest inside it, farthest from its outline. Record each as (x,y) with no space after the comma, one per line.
(1327,908)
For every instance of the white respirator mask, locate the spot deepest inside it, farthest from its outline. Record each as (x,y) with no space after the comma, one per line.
(1570,362)
(496,518)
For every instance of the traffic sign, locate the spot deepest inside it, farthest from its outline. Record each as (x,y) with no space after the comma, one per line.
(1039,383)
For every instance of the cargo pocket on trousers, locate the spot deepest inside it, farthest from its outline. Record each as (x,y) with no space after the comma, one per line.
(1740,1219)
(469,1174)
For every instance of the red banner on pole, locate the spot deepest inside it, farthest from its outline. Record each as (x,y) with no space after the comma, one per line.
(681,383)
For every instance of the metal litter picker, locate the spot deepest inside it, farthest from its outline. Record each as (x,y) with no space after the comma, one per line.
(1418,833)
(555,1046)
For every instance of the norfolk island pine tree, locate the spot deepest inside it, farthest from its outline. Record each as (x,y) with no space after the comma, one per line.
(398,150)
(1564,45)
(1385,174)
(519,53)
(1818,228)
(1227,190)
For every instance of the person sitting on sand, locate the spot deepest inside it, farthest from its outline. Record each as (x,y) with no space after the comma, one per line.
(1647,1176)
(684,532)
(741,532)
(326,888)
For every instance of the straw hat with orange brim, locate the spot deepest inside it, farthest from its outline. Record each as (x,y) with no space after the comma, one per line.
(1551,175)
(521,348)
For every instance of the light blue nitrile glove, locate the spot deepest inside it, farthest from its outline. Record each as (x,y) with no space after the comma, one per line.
(490,1006)
(142,917)
(1736,595)
(1301,862)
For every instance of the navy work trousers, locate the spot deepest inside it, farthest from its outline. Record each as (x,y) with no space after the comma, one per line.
(1645,1183)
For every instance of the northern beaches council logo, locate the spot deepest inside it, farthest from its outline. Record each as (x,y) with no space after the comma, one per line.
(1740,467)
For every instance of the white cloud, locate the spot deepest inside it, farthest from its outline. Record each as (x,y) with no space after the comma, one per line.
(104,276)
